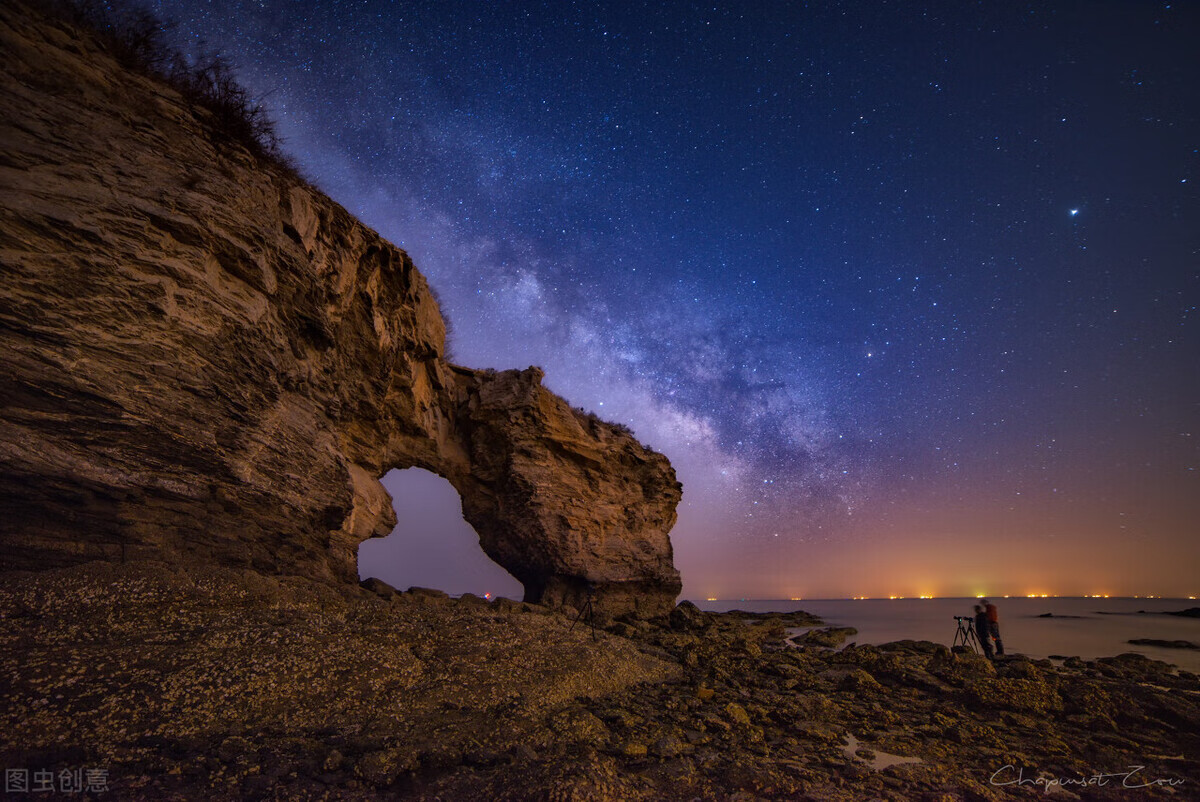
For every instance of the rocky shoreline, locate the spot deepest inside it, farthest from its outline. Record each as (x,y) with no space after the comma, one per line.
(224,684)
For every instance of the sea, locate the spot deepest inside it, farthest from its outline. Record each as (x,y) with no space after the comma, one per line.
(1078,627)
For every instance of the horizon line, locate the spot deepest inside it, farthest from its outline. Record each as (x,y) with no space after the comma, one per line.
(1100,597)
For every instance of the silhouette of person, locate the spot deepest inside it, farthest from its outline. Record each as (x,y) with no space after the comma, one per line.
(981,631)
(993,617)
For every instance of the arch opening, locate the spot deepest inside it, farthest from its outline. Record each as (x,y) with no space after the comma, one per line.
(432,546)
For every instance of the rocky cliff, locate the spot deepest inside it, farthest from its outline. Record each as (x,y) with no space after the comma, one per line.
(207,360)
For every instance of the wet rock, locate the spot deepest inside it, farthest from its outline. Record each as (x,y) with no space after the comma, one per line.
(1165,644)
(1133,665)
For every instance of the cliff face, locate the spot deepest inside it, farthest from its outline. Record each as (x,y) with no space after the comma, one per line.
(208,360)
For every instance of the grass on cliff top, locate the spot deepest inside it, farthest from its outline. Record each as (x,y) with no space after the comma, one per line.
(140,41)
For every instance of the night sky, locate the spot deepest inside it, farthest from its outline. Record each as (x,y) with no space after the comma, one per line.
(907,293)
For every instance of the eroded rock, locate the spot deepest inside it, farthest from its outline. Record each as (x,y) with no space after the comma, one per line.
(207,360)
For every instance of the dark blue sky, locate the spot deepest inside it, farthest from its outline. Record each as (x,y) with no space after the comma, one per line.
(906,292)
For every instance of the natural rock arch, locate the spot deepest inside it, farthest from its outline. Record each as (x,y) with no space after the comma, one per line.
(432,545)
(209,360)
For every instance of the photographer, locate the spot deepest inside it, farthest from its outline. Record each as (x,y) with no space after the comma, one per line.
(993,617)
(982,629)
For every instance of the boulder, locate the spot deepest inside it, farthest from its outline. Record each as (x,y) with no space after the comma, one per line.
(687,615)
(378,587)
(830,637)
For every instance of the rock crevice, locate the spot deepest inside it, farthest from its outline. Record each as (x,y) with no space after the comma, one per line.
(207,359)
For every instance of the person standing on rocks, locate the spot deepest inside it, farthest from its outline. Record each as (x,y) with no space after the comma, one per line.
(993,617)
(981,631)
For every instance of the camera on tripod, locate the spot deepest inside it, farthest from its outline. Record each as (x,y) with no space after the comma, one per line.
(587,611)
(965,635)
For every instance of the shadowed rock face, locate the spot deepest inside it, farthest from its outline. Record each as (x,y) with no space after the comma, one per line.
(208,360)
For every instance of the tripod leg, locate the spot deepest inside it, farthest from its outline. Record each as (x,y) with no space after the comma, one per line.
(586,612)
(578,616)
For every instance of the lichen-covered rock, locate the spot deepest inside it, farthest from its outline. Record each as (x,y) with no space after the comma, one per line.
(207,360)
(830,637)
(1021,695)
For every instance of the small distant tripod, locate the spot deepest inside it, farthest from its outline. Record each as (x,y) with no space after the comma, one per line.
(586,612)
(965,635)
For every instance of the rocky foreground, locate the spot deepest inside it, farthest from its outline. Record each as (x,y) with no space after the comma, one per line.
(220,684)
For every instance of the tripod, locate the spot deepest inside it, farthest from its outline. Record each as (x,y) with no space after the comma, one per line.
(588,612)
(965,635)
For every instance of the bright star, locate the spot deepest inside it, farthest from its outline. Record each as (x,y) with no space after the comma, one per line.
(1074,212)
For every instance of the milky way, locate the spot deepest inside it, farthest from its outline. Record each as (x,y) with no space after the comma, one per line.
(906,293)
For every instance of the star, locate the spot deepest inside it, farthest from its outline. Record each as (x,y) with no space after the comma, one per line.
(713,270)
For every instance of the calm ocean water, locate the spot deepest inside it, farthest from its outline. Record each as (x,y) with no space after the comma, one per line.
(1102,629)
